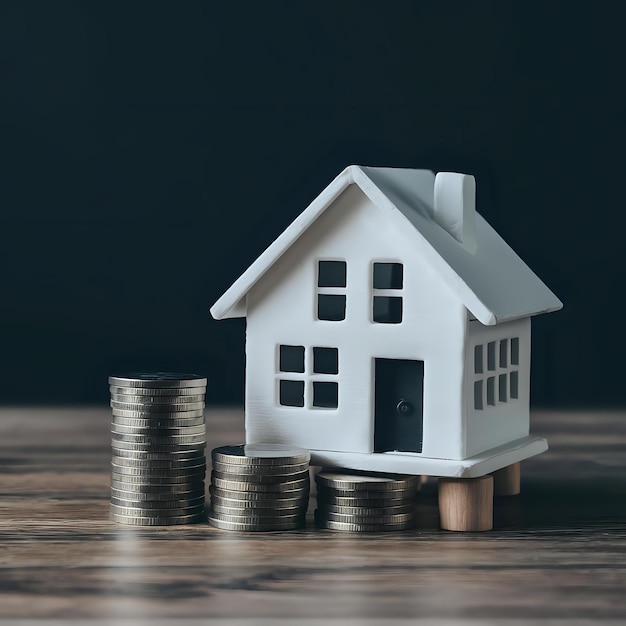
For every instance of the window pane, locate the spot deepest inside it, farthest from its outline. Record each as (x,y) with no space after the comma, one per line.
(502,388)
(292,392)
(491,391)
(291,359)
(387,310)
(515,351)
(331,274)
(388,275)
(478,360)
(331,307)
(478,395)
(503,353)
(325,360)
(325,395)
(514,385)
(491,355)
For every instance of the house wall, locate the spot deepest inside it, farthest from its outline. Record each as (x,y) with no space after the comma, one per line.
(507,418)
(282,309)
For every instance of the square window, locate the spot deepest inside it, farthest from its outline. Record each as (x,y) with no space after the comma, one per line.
(388,275)
(292,392)
(515,351)
(514,383)
(331,274)
(387,310)
(504,344)
(478,395)
(491,391)
(325,360)
(325,395)
(331,307)
(478,359)
(291,359)
(491,355)
(502,388)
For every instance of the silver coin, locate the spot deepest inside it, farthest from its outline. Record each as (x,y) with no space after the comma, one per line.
(156,408)
(152,464)
(350,527)
(251,527)
(143,455)
(273,498)
(158,422)
(164,472)
(158,380)
(262,454)
(143,450)
(176,393)
(252,505)
(163,489)
(365,498)
(149,520)
(238,485)
(156,496)
(146,414)
(158,504)
(140,511)
(361,511)
(400,518)
(261,478)
(118,438)
(191,477)
(349,481)
(160,431)
(158,400)
(250,470)
(255,511)
(250,518)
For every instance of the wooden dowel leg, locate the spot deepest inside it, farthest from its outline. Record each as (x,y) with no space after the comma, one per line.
(466,504)
(506,482)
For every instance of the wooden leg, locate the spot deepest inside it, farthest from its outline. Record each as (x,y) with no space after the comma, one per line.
(506,482)
(466,504)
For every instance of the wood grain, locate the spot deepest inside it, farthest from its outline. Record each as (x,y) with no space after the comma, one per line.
(557,551)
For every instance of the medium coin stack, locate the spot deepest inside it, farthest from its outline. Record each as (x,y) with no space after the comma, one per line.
(259,487)
(359,502)
(158,442)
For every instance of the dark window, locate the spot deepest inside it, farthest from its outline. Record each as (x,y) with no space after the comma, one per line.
(325,395)
(388,275)
(502,388)
(331,274)
(325,360)
(387,310)
(515,351)
(292,392)
(491,391)
(491,355)
(291,359)
(503,350)
(514,382)
(478,395)
(478,360)
(331,307)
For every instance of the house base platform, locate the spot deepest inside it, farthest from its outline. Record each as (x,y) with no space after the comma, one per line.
(412,463)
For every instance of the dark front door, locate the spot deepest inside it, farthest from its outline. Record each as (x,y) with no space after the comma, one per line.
(399,410)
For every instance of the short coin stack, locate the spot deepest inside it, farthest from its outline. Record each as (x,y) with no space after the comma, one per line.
(158,441)
(259,487)
(356,501)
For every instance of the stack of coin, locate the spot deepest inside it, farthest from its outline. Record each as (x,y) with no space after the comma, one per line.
(357,501)
(158,441)
(259,486)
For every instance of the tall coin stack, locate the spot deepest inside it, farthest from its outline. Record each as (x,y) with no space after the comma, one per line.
(359,502)
(260,487)
(158,443)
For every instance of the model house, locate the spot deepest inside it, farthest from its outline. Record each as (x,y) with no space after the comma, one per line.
(388,329)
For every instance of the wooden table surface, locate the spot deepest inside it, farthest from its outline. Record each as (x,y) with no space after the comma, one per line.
(557,554)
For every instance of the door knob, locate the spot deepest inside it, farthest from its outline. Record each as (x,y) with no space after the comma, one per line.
(404,407)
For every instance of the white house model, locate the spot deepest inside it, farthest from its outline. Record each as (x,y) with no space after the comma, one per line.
(388,329)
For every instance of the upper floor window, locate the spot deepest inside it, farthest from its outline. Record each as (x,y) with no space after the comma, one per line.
(331,290)
(387,285)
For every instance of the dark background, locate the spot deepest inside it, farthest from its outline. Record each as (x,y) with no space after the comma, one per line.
(150,151)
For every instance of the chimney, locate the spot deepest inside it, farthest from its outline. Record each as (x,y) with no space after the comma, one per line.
(455,206)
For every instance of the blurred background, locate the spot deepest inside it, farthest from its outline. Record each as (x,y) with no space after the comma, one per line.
(151,150)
